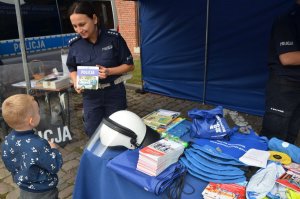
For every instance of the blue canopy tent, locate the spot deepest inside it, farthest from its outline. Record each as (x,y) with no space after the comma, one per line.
(208,51)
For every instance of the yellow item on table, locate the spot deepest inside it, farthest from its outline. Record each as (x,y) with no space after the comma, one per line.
(291,194)
(280,157)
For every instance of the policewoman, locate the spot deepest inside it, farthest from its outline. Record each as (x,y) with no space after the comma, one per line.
(96,46)
(282,114)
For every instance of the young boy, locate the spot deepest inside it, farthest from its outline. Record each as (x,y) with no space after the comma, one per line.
(32,161)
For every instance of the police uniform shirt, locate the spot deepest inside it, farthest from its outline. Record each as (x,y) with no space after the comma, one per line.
(285,38)
(110,50)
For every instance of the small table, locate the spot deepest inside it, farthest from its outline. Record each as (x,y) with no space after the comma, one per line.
(46,91)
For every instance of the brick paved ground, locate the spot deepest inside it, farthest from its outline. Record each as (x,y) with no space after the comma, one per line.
(140,104)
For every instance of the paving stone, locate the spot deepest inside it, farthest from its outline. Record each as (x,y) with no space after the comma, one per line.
(70,164)
(66,192)
(10,181)
(71,156)
(62,186)
(4,173)
(73,145)
(5,188)
(72,179)
(1,163)
(13,194)
(67,176)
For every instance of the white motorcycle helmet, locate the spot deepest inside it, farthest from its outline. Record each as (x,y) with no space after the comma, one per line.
(125,128)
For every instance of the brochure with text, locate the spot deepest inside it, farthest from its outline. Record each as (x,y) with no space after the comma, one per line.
(160,118)
(87,77)
(290,179)
(225,191)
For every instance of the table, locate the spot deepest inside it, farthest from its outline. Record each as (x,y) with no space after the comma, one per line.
(94,180)
(52,127)
(47,92)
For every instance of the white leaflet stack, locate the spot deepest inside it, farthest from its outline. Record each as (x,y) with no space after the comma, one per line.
(58,83)
(156,157)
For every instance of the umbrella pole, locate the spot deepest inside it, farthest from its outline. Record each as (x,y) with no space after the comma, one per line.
(22,45)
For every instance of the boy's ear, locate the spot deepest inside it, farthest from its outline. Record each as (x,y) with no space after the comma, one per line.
(31,122)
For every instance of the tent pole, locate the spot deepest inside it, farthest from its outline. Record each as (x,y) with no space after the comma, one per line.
(205,52)
(22,44)
(137,12)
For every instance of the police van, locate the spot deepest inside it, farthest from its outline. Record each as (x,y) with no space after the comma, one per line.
(46,26)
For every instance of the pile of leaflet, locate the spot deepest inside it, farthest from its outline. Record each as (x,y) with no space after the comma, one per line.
(225,191)
(156,157)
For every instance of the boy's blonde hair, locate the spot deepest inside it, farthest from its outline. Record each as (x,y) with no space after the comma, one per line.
(17,109)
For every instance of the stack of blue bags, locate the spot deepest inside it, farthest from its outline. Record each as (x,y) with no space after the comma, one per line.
(216,149)
(208,164)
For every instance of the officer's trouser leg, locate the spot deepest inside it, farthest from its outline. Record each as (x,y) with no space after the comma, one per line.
(93,110)
(282,100)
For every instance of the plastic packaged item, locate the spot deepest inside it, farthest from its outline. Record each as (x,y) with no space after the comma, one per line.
(291,150)
(174,138)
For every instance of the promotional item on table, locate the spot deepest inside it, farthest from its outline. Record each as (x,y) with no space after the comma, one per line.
(209,124)
(254,157)
(235,161)
(293,151)
(156,157)
(277,156)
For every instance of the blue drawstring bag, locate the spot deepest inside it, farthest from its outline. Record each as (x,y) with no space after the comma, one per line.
(209,124)
(211,166)
(209,177)
(237,144)
(210,154)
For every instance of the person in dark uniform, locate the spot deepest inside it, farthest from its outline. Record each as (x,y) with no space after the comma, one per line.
(97,46)
(282,113)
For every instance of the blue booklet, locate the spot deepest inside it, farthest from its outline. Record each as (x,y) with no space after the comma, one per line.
(180,129)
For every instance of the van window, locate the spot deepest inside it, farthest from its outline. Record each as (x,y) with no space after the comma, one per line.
(46,25)
(48,17)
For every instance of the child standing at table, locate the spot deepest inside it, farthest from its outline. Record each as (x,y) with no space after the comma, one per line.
(33,161)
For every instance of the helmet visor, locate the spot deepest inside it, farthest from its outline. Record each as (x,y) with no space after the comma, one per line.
(95,146)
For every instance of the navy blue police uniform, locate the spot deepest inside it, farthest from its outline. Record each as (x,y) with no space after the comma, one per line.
(282,113)
(110,50)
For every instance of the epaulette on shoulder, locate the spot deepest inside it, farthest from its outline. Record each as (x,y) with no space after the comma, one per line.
(74,39)
(113,33)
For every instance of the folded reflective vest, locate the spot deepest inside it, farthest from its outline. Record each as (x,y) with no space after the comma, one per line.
(211,154)
(210,177)
(285,147)
(238,143)
(212,167)
(125,165)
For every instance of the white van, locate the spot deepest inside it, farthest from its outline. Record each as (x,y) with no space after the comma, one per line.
(47,28)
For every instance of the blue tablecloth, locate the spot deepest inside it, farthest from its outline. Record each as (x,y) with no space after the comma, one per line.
(95,181)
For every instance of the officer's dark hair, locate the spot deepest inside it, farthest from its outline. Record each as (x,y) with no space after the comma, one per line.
(82,7)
